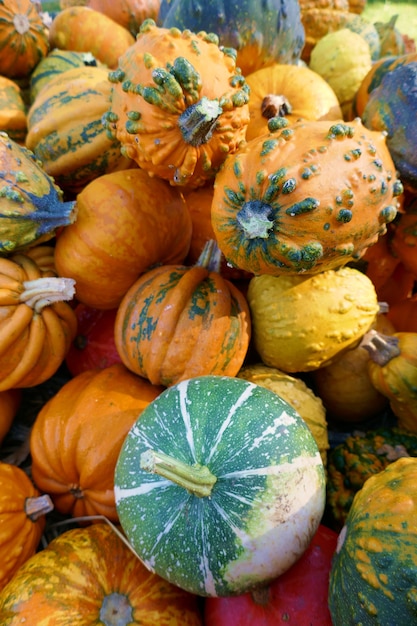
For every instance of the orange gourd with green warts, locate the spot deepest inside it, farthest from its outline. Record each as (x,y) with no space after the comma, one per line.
(309,196)
(179,104)
(77,435)
(393,371)
(178,322)
(22,520)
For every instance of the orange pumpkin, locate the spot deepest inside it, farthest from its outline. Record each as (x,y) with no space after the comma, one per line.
(37,323)
(83,29)
(379,262)
(12,110)
(77,435)
(403,314)
(399,285)
(404,240)
(178,322)
(9,404)
(127,13)
(90,576)
(23,38)
(290,91)
(22,520)
(126,223)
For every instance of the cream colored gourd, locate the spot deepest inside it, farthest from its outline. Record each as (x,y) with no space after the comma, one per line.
(342,58)
(300,323)
(298,394)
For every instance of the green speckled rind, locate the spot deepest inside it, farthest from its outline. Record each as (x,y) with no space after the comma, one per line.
(373,580)
(264,508)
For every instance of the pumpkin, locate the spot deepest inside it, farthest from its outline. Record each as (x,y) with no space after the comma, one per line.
(12,110)
(403,314)
(404,240)
(77,435)
(372,580)
(338,5)
(55,62)
(391,39)
(32,206)
(179,104)
(392,368)
(293,337)
(10,400)
(333,60)
(318,22)
(399,285)
(298,596)
(298,394)
(235,477)
(290,91)
(89,575)
(379,262)
(93,346)
(360,456)
(345,387)
(305,198)
(390,108)
(179,321)
(126,223)
(22,519)
(23,38)
(37,323)
(83,29)
(65,129)
(261,34)
(127,13)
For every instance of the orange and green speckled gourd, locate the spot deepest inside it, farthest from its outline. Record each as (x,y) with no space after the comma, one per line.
(304,198)
(179,104)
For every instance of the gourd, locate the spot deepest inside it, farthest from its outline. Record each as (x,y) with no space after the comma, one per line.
(391,39)
(237,480)
(293,337)
(403,314)
(89,575)
(23,38)
(83,29)
(290,91)
(379,262)
(77,435)
(404,239)
(22,518)
(9,405)
(65,129)
(388,109)
(37,321)
(360,456)
(298,394)
(127,222)
(127,13)
(392,368)
(32,205)
(372,580)
(305,198)
(179,321)
(261,34)
(333,60)
(12,110)
(179,104)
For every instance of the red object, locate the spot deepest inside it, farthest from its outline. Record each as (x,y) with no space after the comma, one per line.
(298,597)
(93,347)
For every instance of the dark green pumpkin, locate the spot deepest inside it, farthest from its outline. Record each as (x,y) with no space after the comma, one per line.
(261,32)
(391,107)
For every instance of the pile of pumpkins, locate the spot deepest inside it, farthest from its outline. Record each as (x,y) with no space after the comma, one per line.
(208,235)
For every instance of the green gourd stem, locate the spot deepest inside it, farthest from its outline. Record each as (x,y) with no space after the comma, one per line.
(197,479)
(198,121)
(37,506)
(44,291)
(381,348)
(210,256)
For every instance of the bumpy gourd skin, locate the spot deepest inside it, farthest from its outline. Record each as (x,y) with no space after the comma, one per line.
(304,198)
(179,104)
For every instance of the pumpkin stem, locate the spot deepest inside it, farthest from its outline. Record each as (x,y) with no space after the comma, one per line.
(44,291)
(274,105)
(253,219)
(197,479)
(198,121)
(210,257)
(37,506)
(381,348)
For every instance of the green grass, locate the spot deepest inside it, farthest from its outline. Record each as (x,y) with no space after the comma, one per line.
(380,11)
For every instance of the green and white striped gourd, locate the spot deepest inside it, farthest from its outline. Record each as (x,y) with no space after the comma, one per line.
(219,485)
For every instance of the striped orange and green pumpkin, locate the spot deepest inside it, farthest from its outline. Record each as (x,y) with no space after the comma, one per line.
(373,580)
(65,129)
(219,485)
